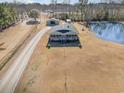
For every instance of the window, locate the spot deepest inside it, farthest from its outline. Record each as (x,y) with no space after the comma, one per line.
(63,31)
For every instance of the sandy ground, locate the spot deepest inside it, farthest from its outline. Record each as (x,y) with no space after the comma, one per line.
(14,39)
(96,68)
(11,37)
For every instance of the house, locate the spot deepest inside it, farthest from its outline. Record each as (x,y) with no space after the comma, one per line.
(52,22)
(64,36)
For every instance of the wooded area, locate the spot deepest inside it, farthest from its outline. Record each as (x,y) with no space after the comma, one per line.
(11,13)
(95,12)
(7,16)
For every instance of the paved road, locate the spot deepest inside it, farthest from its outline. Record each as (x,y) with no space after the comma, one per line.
(11,78)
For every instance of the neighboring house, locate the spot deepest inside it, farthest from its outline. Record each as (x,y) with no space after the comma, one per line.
(52,22)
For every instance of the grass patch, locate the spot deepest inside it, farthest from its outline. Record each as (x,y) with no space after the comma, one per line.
(2,44)
(8,58)
(2,49)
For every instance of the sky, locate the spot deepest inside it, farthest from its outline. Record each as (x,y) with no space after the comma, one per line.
(47,1)
(37,1)
(44,1)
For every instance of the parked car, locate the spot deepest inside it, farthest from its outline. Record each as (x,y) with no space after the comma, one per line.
(68,20)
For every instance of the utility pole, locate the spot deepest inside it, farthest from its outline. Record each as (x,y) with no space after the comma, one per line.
(54,3)
(69,3)
(68,11)
(66,1)
(82,5)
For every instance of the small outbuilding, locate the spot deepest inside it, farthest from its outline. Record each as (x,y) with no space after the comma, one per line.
(64,36)
(52,22)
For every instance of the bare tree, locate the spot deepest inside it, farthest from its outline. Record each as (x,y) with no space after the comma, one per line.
(82,8)
(34,13)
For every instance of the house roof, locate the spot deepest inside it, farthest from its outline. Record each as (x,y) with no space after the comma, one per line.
(65,29)
(53,19)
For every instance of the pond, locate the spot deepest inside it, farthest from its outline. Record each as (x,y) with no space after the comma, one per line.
(110,31)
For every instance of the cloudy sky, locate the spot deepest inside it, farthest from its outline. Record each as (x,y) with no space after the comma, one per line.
(47,1)
(39,1)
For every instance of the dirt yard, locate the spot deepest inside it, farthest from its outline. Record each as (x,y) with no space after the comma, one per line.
(14,37)
(10,37)
(96,68)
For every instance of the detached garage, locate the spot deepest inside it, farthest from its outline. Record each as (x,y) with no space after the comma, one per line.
(52,22)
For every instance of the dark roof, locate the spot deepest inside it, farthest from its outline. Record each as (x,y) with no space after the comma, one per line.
(53,19)
(52,22)
(65,29)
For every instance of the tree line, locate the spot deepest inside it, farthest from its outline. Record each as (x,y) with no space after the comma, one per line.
(7,16)
(12,13)
(95,12)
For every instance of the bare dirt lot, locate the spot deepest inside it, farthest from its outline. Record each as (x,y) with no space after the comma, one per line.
(11,37)
(13,40)
(96,68)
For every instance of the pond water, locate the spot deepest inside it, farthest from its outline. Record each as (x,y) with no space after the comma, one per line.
(110,31)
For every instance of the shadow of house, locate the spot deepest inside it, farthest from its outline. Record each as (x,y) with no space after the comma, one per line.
(64,36)
(52,22)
